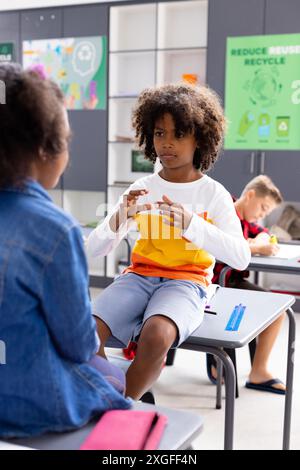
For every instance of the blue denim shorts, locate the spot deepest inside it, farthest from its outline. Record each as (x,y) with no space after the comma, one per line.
(131,299)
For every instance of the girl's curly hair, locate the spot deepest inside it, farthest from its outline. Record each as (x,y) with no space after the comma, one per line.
(30,120)
(195,109)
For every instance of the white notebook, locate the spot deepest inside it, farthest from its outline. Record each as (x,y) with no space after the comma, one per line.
(288,251)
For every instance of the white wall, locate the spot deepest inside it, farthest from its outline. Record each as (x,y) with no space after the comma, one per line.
(24,4)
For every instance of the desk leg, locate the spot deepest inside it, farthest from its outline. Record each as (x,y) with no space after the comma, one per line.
(289,380)
(222,279)
(230,380)
(219,384)
(229,387)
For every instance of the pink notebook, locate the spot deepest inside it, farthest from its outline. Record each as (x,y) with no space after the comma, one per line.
(126,430)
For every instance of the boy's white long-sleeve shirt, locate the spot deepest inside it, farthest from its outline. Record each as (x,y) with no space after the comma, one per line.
(213,233)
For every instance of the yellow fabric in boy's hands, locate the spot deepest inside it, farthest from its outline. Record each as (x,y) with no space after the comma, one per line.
(163,244)
(152,226)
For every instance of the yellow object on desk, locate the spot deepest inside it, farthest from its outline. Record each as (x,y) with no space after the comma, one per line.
(273,239)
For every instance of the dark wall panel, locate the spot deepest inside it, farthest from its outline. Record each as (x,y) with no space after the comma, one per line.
(282,17)
(88,160)
(228,18)
(284,166)
(88,169)
(41,24)
(86,20)
(10,31)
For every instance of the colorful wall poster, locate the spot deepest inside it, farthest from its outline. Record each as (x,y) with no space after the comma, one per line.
(262,92)
(6,52)
(78,65)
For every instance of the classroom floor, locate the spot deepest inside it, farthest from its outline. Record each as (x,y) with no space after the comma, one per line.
(258,415)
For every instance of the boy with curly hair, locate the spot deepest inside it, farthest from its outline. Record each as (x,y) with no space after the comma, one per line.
(185,220)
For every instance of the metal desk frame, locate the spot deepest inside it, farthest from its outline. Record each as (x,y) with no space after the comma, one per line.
(271,264)
(199,342)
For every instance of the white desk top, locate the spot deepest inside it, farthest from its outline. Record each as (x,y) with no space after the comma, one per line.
(277,263)
(262,308)
(287,251)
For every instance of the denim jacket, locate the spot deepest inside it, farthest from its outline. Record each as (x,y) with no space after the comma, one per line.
(45,320)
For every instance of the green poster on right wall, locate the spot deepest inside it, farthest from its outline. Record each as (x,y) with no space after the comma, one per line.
(262,93)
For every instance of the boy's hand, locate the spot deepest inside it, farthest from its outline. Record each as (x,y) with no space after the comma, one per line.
(174,214)
(269,249)
(264,249)
(128,208)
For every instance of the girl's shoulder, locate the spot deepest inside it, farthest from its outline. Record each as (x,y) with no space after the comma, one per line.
(51,222)
(58,218)
(37,225)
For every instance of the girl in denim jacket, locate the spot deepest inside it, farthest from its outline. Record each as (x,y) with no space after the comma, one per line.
(51,379)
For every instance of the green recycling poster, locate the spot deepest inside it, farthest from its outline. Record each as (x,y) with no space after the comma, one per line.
(6,52)
(262,93)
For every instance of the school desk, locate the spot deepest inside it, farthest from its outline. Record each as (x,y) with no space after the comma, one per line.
(286,262)
(213,335)
(272,264)
(181,430)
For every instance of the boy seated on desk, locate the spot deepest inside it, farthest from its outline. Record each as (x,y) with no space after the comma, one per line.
(258,199)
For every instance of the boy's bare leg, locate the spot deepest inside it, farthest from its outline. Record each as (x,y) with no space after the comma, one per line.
(104,333)
(157,336)
(265,342)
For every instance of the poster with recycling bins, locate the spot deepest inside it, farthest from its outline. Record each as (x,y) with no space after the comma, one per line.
(78,65)
(262,92)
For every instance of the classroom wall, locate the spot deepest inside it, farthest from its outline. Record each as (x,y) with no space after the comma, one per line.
(214,7)
(23,4)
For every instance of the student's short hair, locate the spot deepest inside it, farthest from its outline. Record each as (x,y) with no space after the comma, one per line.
(195,109)
(263,187)
(31,120)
